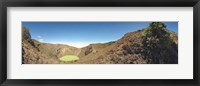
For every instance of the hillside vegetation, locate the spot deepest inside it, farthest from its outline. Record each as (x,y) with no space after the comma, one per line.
(154,44)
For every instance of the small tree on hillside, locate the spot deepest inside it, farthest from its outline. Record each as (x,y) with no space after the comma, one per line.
(155,41)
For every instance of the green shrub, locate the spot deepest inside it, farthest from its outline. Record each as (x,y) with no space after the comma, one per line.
(156,39)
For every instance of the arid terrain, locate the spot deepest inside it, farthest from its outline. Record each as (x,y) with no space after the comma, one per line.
(154,44)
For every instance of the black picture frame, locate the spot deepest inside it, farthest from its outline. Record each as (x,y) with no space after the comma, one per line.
(98,3)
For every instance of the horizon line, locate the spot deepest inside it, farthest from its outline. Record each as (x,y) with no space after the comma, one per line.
(75,44)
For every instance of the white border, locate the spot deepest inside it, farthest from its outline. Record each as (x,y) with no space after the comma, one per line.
(182,70)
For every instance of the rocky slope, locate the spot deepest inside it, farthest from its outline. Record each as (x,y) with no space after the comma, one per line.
(35,52)
(30,53)
(152,45)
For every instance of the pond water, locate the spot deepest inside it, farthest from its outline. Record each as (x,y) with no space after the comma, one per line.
(69,58)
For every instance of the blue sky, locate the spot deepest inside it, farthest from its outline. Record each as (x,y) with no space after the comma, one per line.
(80,34)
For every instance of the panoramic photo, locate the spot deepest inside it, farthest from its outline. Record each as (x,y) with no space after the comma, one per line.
(100,42)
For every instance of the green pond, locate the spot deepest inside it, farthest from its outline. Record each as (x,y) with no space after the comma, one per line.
(69,58)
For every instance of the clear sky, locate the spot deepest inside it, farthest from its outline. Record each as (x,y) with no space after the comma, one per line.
(80,34)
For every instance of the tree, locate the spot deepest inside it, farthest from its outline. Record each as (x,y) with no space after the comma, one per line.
(156,41)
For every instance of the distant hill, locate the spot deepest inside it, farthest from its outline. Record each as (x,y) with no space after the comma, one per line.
(154,44)
(56,50)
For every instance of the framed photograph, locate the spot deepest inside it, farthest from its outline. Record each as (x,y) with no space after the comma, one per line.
(99,42)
